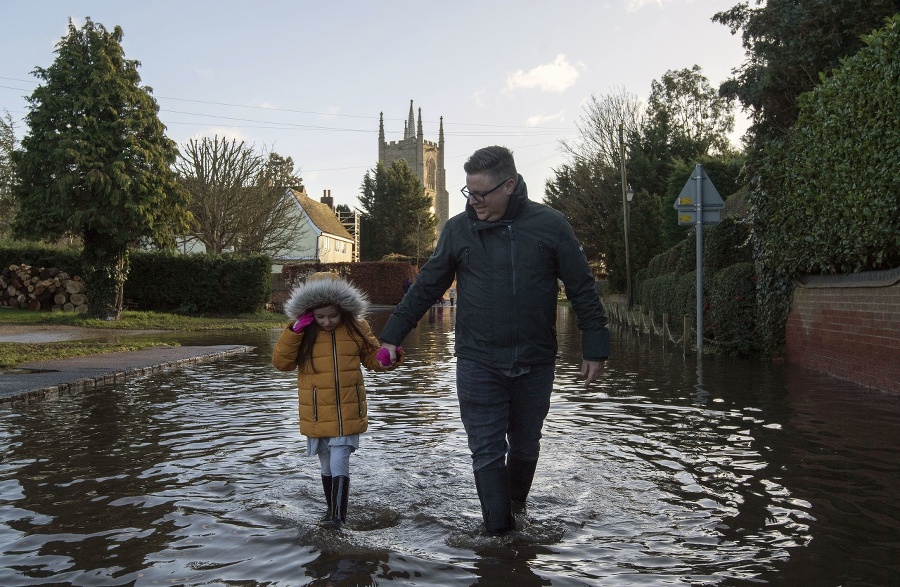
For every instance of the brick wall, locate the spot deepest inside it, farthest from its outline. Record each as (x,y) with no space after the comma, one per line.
(381,281)
(848,326)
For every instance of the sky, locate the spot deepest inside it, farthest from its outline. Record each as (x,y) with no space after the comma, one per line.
(308,79)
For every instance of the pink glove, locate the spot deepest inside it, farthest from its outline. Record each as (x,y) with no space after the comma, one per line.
(384,356)
(302,322)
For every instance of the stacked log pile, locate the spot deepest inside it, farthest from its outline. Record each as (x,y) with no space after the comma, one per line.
(22,286)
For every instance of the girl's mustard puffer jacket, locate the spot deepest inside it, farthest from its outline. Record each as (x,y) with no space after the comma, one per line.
(330,387)
(331,391)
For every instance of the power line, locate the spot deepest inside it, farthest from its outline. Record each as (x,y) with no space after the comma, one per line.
(532,130)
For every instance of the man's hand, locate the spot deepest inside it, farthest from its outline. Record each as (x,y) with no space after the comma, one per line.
(591,370)
(391,353)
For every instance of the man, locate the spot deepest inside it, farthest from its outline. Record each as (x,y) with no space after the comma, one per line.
(506,253)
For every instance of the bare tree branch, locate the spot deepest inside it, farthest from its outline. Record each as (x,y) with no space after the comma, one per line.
(598,127)
(239,198)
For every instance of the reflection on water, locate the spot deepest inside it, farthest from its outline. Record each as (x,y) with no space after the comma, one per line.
(760,473)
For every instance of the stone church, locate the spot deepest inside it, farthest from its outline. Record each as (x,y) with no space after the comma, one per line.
(425,158)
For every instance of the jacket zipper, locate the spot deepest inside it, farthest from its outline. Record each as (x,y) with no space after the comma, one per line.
(315,400)
(512,269)
(337,384)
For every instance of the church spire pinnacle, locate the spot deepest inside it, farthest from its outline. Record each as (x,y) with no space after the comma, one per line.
(419,132)
(410,124)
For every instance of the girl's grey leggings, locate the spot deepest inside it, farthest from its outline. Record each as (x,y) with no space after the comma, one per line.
(335,461)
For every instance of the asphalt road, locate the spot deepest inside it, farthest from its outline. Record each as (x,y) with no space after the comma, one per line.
(47,379)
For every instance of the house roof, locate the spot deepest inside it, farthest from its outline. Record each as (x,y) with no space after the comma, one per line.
(321,215)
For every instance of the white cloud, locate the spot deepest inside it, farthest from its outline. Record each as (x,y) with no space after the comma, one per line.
(331,112)
(479,97)
(538,119)
(635,5)
(551,77)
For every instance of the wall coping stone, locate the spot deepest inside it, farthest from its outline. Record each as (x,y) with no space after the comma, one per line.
(883,278)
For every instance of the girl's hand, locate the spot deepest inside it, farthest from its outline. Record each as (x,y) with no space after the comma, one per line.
(387,354)
(303,321)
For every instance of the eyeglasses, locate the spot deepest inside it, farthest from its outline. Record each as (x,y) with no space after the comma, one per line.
(479,196)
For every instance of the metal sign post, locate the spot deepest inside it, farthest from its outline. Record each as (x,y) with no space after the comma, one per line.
(699,203)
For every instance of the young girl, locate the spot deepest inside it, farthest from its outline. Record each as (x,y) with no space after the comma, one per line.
(326,342)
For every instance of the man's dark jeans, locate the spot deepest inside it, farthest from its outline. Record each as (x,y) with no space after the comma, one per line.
(496,407)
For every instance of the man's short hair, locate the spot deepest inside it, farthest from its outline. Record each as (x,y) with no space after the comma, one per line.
(495,161)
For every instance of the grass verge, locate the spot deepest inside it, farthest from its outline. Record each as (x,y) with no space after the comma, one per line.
(13,354)
(130,320)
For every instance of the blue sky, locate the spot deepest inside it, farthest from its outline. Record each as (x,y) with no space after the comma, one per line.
(309,79)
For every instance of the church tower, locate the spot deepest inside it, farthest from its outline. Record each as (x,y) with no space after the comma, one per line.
(425,159)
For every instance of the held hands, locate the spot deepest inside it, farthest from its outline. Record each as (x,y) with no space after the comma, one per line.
(387,354)
(591,370)
(303,321)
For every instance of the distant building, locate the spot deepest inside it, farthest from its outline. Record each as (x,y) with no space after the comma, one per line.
(323,238)
(349,218)
(425,159)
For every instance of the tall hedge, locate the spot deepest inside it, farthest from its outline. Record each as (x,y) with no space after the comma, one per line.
(198,284)
(669,285)
(830,192)
(732,315)
(827,197)
(163,281)
(36,255)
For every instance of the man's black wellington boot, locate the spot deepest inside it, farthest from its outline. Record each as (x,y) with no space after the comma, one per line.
(493,493)
(521,474)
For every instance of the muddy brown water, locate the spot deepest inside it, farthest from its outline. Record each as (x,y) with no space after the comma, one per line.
(748,473)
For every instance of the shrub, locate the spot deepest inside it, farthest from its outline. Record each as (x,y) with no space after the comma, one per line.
(725,244)
(827,196)
(37,255)
(732,315)
(684,299)
(198,283)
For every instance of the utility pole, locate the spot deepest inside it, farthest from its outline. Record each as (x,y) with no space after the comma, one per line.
(625,216)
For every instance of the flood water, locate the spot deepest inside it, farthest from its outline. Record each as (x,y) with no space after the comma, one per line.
(749,473)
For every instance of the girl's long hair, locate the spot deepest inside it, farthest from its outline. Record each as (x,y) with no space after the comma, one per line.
(311,332)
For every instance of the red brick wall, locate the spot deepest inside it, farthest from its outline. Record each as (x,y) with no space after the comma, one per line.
(848,329)
(383,282)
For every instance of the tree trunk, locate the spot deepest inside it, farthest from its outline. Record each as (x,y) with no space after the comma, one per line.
(106,267)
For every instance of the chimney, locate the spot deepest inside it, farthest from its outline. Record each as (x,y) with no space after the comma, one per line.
(327,199)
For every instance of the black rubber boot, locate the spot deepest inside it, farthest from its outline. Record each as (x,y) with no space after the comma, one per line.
(521,474)
(340,492)
(326,487)
(493,492)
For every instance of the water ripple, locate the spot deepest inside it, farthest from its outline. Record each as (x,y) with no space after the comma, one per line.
(653,476)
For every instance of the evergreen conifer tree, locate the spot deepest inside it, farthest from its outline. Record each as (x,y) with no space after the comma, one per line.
(95,162)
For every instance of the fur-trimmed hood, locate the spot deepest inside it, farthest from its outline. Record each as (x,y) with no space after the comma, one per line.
(326,289)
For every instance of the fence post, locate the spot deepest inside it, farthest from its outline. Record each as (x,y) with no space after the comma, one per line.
(687,334)
(665,327)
